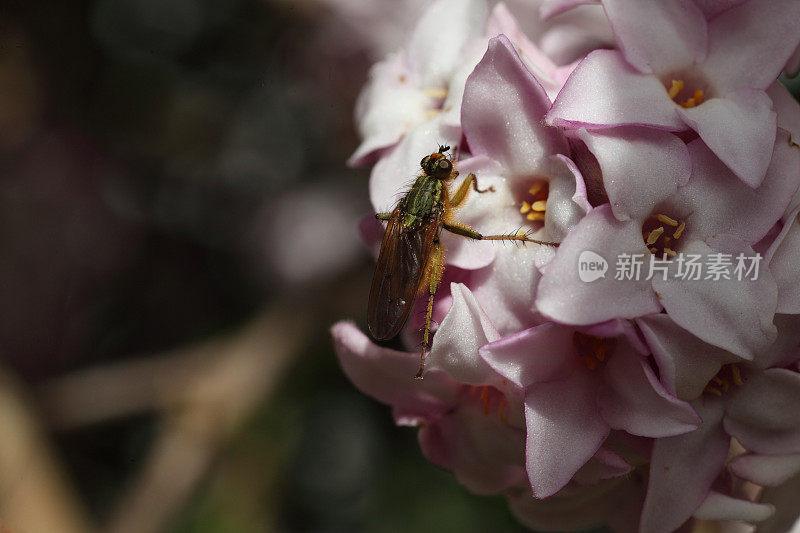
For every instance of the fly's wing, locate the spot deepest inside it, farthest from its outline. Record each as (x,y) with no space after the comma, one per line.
(401,265)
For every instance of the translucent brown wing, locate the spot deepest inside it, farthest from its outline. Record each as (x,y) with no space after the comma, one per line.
(401,265)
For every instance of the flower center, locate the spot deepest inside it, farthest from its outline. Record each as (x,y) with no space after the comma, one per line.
(436,93)
(537,206)
(593,350)
(661,233)
(727,375)
(492,399)
(677,93)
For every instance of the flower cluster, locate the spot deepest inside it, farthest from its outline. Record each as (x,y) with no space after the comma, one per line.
(653,129)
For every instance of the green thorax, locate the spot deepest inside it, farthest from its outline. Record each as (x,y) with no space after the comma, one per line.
(421,200)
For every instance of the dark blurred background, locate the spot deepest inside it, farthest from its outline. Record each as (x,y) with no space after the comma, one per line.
(177,234)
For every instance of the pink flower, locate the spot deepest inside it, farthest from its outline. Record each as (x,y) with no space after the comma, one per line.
(709,213)
(580,383)
(639,398)
(754,402)
(410,87)
(720,69)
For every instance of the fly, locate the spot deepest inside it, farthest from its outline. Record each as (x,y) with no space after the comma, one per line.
(411,260)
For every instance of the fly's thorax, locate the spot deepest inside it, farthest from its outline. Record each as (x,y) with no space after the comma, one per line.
(422,200)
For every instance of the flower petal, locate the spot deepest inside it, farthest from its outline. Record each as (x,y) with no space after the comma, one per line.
(740,129)
(786,347)
(565,298)
(437,41)
(632,399)
(390,103)
(506,287)
(659,161)
(733,314)
(782,260)
(605,91)
(535,355)
(564,430)
(766,470)
(551,8)
(682,469)
(485,454)
(712,8)
(502,112)
(719,506)
(787,107)
(604,465)
(686,364)
(764,415)
(659,36)
(770,29)
(715,202)
(464,329)
(566,201)
(546,72)
(387,375)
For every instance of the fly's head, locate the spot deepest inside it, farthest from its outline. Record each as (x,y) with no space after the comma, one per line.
(437,164)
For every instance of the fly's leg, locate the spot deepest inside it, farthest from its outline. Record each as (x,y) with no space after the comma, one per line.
(463,189)
(383,216)
(466,231)
(433,285)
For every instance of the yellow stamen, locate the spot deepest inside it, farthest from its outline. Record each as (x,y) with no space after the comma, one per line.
(502,410)
(535,216)
(653,249)
(536,187)
(434,92)
(654,235)
(698,96)
(679,231)
(539,205)
(713,390)
(667,220)
(737,375)
(485,399)
(525,207)
(689,103)
(717,380)
(677,86)
(590,362)
(431,113)
(600,353)
(670,252)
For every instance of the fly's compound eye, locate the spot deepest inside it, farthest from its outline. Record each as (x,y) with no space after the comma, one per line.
(424,161)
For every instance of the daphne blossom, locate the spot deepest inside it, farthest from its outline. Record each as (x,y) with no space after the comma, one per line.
(640,398)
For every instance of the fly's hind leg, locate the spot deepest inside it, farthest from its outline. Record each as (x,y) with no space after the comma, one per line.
(461,193)
(466,231)
(436,269)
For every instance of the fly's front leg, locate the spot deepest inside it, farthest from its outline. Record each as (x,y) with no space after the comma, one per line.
(463,189)
(436,269)
(466,231)
(383,216)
